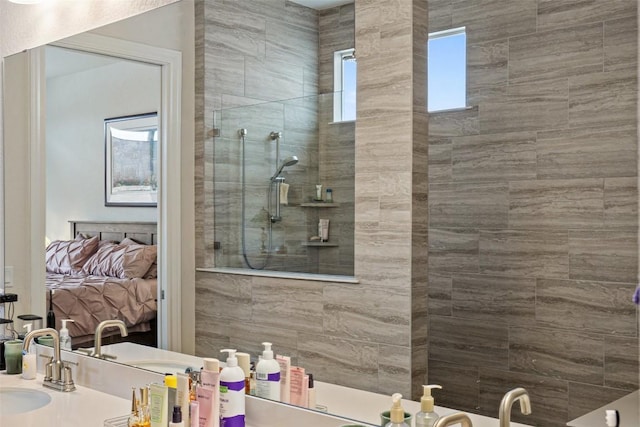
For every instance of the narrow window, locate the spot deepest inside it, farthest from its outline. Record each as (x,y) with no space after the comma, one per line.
(344,85)
(447,70)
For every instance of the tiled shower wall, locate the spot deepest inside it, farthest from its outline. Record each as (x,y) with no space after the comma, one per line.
(533,209)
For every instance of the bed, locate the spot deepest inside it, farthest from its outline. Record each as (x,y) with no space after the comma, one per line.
(106,270)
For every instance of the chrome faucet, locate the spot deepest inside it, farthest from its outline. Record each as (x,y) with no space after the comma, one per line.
(57,375)
(97,339)
(507,402)
(453,419)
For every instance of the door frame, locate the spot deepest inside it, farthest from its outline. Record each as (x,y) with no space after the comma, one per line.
(169,220)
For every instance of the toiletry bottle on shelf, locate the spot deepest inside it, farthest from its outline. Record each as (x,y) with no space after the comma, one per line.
(176,418)
(329,198)
(232,392)
(29,362)
(427,417)
(396,414)
(268,375)
(65,339)
(318,197)
(51,317)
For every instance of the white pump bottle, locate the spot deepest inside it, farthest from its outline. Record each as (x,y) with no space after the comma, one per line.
(65,339)
(268,375)
(427,417)
(232,405)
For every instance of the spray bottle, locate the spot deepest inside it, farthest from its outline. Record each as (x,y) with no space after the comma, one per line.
(232,410)
(396,414)
(427,417)
(65,339)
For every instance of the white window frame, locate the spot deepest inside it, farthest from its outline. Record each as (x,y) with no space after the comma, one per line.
(338,83)
(448,33)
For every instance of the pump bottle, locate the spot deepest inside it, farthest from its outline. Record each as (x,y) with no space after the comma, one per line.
(232,410)
(427,417)
(268,375)
(65,339)
(29,362)
(396,414)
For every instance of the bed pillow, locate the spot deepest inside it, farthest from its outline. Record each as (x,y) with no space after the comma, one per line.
(152,273)
(122,261)
(69,256)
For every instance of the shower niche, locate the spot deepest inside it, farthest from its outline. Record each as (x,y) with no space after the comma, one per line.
(268,158)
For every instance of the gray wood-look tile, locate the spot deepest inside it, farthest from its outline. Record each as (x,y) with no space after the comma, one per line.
(585,306)
(583,398)
(562,14)
(586,153)
(297,302)
(621,362)
(524,253)
(454,123)
(460,385)
(231,29)
(556,203)
(549,397)
(468,342)
(224,70)
(378,314)
(440,166)
(284,41)
(621,202)
(559,354)
(273,80)
(506,300)
(608,255)
(440,288)
(440,15)
(527,106)
(394,369)
(487,70)
(470,205)
(229,296)
(576,50)
(248,337)
(453,250)
(494,19)
(603,100)
(339,361)
(494,157)
(621,43)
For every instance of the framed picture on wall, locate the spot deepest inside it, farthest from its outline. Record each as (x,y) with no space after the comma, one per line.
(131,160)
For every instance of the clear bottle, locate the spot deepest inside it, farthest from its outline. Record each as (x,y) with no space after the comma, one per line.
(65,338)
(329,197)
(427,417)
(396,414)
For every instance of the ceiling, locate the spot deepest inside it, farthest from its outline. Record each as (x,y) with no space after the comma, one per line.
(322,4)
(62,61)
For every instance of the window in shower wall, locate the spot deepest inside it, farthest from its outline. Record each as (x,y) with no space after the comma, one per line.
(447,70)
(344,84)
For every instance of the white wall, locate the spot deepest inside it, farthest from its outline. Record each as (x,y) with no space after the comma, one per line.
(77,105)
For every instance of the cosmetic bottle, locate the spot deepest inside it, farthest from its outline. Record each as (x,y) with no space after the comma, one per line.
(144,415)
(51,317)
(176,418)
(311,394)
(268,375)
(285,385)
(329,197)
(134,418)
(318,197)
(65,339)
(427,417)
(232,405)
(396,414)
(29,360)
(244,361)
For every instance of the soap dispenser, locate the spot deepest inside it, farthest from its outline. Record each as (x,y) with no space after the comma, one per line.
(29,362)
(65,339)
(427,417)
(396,414)
(268,375)
(232,392)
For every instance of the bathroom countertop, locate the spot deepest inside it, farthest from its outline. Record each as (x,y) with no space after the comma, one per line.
(628,407)
(83,407)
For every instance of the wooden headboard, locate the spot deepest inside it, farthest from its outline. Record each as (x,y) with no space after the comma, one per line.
(142,231)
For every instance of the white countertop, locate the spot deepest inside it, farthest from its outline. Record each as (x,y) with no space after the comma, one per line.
(628,407)
(83,407)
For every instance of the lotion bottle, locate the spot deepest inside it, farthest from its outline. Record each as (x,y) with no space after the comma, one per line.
(427,417)
(268,375)
(396,414)
(232,410)
(65,339)
(29,362)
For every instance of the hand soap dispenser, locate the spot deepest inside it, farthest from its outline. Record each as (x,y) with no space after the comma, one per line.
(232,392)
(65,339)
(268,375)
(396,414)
(427,417)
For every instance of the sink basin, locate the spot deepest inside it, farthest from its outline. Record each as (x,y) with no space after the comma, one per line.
(163,366)
(15,400)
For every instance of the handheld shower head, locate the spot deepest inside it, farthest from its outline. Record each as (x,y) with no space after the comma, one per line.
(289,161)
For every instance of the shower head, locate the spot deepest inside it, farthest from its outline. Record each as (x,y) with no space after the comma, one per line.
(289,161)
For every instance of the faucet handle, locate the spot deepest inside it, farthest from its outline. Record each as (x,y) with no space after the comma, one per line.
(86,351)
(108,356)
(48,370)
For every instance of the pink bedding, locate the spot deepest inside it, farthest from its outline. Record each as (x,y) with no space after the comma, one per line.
(91,299)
